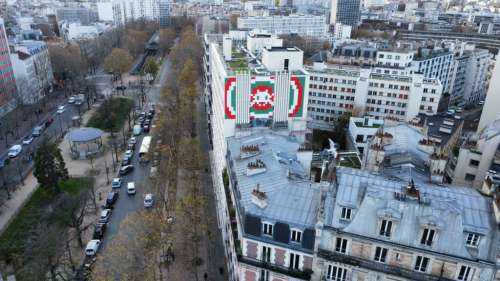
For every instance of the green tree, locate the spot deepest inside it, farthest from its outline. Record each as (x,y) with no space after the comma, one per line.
(50,168)
(151,67)
(339,132)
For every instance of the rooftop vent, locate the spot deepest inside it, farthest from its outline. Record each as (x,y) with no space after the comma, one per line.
(259,197)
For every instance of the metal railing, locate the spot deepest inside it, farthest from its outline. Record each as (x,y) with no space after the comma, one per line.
(379,267)
(301,274)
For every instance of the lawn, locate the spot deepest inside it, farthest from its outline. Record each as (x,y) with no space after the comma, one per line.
(15,237)
(111,115)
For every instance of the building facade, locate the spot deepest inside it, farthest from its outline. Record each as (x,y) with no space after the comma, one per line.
(490,107)
(378,92)
(151,10)
(32,69)
(7,79)
(346,12)
(304,25)
(434,63)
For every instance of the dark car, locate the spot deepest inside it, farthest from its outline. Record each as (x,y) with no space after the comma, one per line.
(121,88)
(150,115)
(99,230)
(111,199)
(145,129)
(124,170)
(49,121)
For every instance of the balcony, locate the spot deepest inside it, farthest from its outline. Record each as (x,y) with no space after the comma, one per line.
(301,274)
(379,267)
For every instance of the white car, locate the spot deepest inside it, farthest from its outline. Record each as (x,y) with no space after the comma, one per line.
(105,215)
(132,140)
(61,109)
(116,183)
(148,200)
(15,150)
(131,188)
(129,153)
(92,247)
(28,140)
(71,99)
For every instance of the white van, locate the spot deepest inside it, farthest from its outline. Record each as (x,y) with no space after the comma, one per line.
(131,188)
(137,130)
(92,247)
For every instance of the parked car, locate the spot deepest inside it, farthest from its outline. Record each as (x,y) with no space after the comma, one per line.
(126,161)
(124,170)
(141,120)
(71,99)
(145,129)
(61,109)
(49,121)
(105,215)
(132,140)
(481,102)
(130,146)
(137,130)
(148,200)
(129,154)
(15,150)
(92,247)
(99,230)
(111,199)
(28,140)
(37,131)
(116,183)
(131,188)
(121,88)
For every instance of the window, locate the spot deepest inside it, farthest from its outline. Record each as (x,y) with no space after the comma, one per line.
(296,236)
(294,261)
(336,273)
(341,245)
(264,275)
(385,228)
(266,254)
(473,163)
(472,239)
(267,229)
(346,213)
(421,264)
(380,254)
(464,274)
(427,237)
(470,177)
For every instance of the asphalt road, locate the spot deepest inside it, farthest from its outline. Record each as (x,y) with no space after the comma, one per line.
(126,204)
(19,166)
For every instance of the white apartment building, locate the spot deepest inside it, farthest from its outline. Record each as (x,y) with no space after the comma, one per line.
(361,130)
(434,63)
(378,92)
(248,92)
(32,69)
(491,108)
(477,155)
(152,10)
(304,25)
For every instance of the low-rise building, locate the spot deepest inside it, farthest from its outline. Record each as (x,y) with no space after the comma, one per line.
(361,130)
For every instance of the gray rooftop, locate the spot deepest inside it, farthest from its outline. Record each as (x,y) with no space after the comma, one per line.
(290,198)
(84,134)
(454,210)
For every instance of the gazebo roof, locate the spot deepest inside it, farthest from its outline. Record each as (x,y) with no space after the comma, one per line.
(84,134)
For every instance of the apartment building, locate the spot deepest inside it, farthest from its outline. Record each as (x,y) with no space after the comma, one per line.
(469,76)
(32,69)
(346,12)
(490,107)
(379,92)
(434,63)
(249,92)
(7,79)
(476,156)
(129,10)
(304,25)
(387,228)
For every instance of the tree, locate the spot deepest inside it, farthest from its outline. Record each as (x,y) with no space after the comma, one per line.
(151,67)
(167,40)
(339,133)
(50,168)
(118,62)
(135,41)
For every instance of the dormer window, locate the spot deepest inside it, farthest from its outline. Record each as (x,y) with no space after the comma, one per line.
(427,236)
(296,236)
(346,213)
(385,228)
(472,239)
(267,229)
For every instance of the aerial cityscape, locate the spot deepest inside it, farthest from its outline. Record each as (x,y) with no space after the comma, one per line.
(249,140)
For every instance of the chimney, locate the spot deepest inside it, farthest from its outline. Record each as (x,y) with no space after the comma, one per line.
(259,197)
